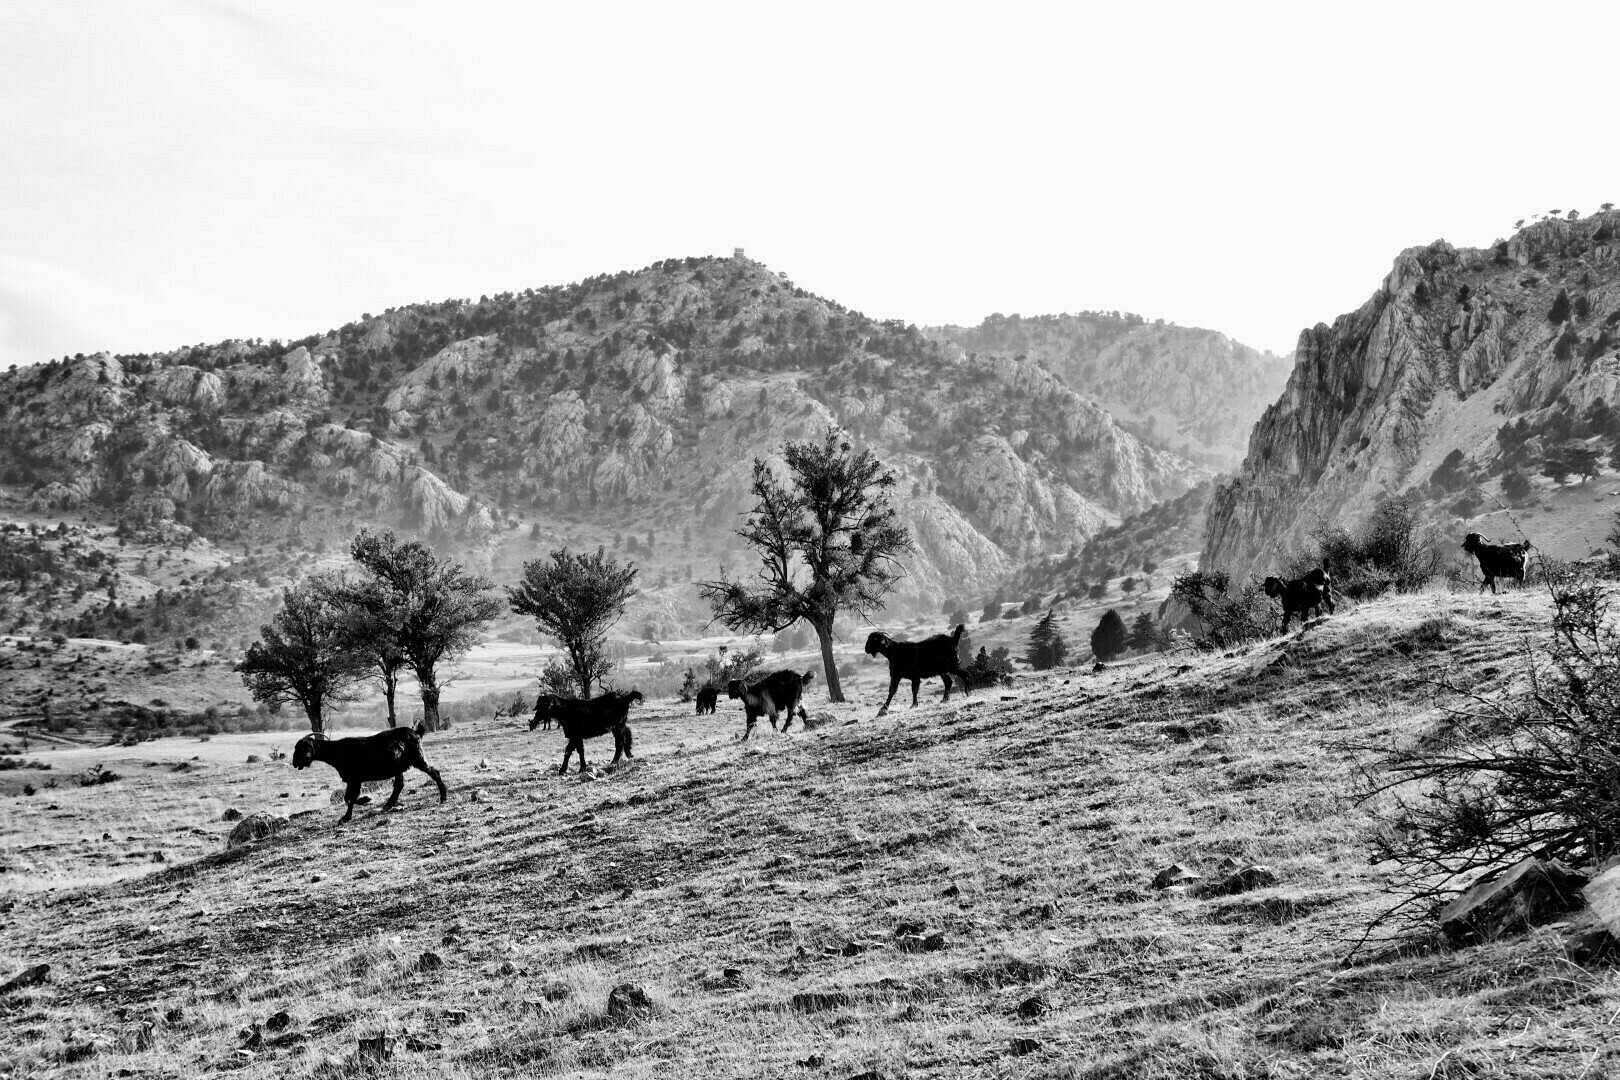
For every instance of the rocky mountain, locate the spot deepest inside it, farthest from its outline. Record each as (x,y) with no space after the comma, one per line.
(1454,385)
(624,410)
(1194,391)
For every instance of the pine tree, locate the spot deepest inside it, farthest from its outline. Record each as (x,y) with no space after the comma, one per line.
(1144,634)
(1046,645)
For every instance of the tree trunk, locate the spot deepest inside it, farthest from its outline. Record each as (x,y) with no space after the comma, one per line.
(390,681)
(430,706)
(317,723)
(835,692)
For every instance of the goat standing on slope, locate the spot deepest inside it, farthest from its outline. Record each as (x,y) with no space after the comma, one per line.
(919,660)
(581,720)
(385,755)
(1304,596)
(777,693)
(1497,560)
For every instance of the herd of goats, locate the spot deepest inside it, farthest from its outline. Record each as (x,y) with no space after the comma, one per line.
(388,755)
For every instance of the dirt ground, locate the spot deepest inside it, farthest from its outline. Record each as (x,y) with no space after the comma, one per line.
(963,889)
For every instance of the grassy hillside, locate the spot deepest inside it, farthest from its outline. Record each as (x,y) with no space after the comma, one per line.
(768,895)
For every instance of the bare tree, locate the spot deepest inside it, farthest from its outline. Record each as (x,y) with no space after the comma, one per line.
(442,608)
(304,656)
(575,599)
(828,541)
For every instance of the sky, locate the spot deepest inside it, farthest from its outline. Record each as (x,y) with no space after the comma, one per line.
(182,172)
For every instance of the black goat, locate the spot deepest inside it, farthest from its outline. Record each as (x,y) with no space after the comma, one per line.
(368,759)
(707,698)
(919,660)
(1304,596)
(1497,560)
(581,720)
(778,692)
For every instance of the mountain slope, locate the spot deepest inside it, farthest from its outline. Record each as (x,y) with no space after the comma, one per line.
(1025,832)
(624,404)
(1196,391)
(1462,354)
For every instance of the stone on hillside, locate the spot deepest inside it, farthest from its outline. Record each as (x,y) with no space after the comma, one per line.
(231,814)
(1250,877)
(1034,1007)
(429,961)
(1022,1046)
(32,976)
(1529,893)
(254,759)
(627,1001)
(280,1021)
(1602,895)
(1175,874)
(254,827)
(1229,865)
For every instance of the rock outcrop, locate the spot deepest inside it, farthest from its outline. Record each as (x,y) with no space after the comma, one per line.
(1452,345)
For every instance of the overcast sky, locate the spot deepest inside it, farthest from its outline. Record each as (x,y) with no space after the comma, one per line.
(184,172)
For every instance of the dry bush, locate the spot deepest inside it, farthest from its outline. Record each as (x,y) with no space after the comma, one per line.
(1506,778)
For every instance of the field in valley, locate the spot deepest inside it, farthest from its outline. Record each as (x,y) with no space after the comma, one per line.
(963,889)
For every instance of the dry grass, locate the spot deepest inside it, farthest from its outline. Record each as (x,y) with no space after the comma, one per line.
(1026,831)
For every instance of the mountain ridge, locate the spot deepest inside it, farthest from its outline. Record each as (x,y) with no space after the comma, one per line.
(631,402)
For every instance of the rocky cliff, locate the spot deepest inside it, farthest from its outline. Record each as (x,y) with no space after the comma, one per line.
(622,406)
(1465,363)
(1195,391)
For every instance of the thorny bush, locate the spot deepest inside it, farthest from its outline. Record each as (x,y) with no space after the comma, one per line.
(1535,773)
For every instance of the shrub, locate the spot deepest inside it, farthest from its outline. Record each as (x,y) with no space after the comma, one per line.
(1560,309)
(1389,551)
(1517,487)
(1507,779)
(1108,639)
(1226,616)
(1145,634)
(989,669)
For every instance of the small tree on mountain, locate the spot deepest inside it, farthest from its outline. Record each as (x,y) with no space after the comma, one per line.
(1144,634)
(828,541)
(1108,639)
(303,656)
(1560,308)
(576,599)
(1555,466)
(1583,461)
(1517,487)
(1046,645)
(442,607)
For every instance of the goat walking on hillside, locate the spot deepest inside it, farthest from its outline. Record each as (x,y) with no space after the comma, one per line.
(581,720)
(1304,596)
(707,698)
(777,693)
(919,660)
(385,755)
(1497,560)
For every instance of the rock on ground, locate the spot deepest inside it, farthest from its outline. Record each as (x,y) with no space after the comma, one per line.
(1529,893)
(254,827)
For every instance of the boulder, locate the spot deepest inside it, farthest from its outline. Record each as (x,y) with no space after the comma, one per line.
(628,1001)
(1175,874)
(231,814)
(1250,877)
(1602,895)
(254,827)
(32,976)
(1527,894)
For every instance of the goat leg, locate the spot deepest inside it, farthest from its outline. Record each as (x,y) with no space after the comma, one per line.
(894,684)
(568,752)
(916,684)
(421,763)
(399,786)
(351,795)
